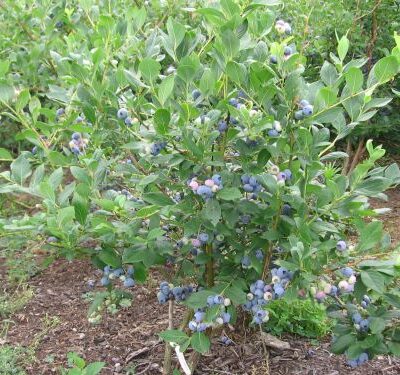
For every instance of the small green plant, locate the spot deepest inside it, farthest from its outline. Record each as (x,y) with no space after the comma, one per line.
(10,360)
(79,366)
(13,302)
(301,317)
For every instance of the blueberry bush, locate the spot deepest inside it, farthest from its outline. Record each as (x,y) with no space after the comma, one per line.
(185,136)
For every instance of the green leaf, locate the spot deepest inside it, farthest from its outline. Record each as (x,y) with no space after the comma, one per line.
(236,294)
(20,169)
(385,69)
(7,93)
(199,299)
(147,211)
(159,199)
(150,69)
(110,257)
(230,44)
(229,194)
(65,217)
(57,158)
(176,32)
(80,174)
(342,343)
(394,348)
(236,72)
(343,47)
(165,89)
(212,211)
(94,368)
(200,342)
(174,335)
(188,68)
(354,79)
(370,235)
(5,154)
(377,325)
(58,93)
(328,74)
(162,117)
(373,280)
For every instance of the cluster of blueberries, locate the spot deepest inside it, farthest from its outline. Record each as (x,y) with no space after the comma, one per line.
(225,340)
(77,144)
(198,242)
(169,292)
(360,324)
(305,110)
(123,114)
(126,276)
(276,129)
(261,293)
(287,52)
(251,185)
(206,190)
(198,324)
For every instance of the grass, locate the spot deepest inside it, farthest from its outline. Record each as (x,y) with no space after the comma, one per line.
(10,303)
(10,360)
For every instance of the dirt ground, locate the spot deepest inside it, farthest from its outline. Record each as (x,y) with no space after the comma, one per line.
(129,338)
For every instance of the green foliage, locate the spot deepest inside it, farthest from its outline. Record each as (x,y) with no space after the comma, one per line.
(212,90)
(79,366)
(11,303)
(301,317)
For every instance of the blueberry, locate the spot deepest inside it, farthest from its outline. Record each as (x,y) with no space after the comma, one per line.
(279,290)
(204,191)
(347,271)
(75,150)
(366,299)
(218,300)
(162,298)
(352,363)
(273,133)
(192,325)
(199,316)
(287,51)
(273,60)
(122,113)
(356,318)
(226,317)
(34,150)
(253,181)
(364,324)
(129,282)
(259,254)
(248,188)
(288,174)
(245,179)
(128,121)
(364,304)
(76,136)
(105,281)
(303,103)
(222,126)
(203,237)
(233,101)
(341,245)
(260,285)
(196,94)
(202,327)
(118,272)
(217,179)
(299,115)
(308,110)
(60,111)
(363,358)
(245,219)
(246,262)
(210,301)
(286,209)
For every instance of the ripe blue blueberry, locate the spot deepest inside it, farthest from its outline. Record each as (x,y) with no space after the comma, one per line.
(201,327)
(245,219)
(204,191)
(128,121)
(129,282)
(288,174)
(192,325)
(308,110)
(341,245)
(248,188)
(217,179)
(287,51)
(76,136)
(210,301)
(233,101)
(286,209)
(356,318)
(347,271)
(259,254)
(226,317)
(246,262)
(303,103)
(218,300)
(364,324)
(34,150)
(273,133)
(273,60)
(196,94)
(203,237)
(162,298)
(105,281)
(122,113)
(199,316)
(60,111)
(222,126)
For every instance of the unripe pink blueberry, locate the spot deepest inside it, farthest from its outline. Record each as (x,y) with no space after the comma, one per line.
(196,242)
(209,183)
(343,285)
(327,288)
(301,293)
(320,295)
(193,185)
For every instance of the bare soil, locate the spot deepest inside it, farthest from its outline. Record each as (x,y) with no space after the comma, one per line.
(129,338)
